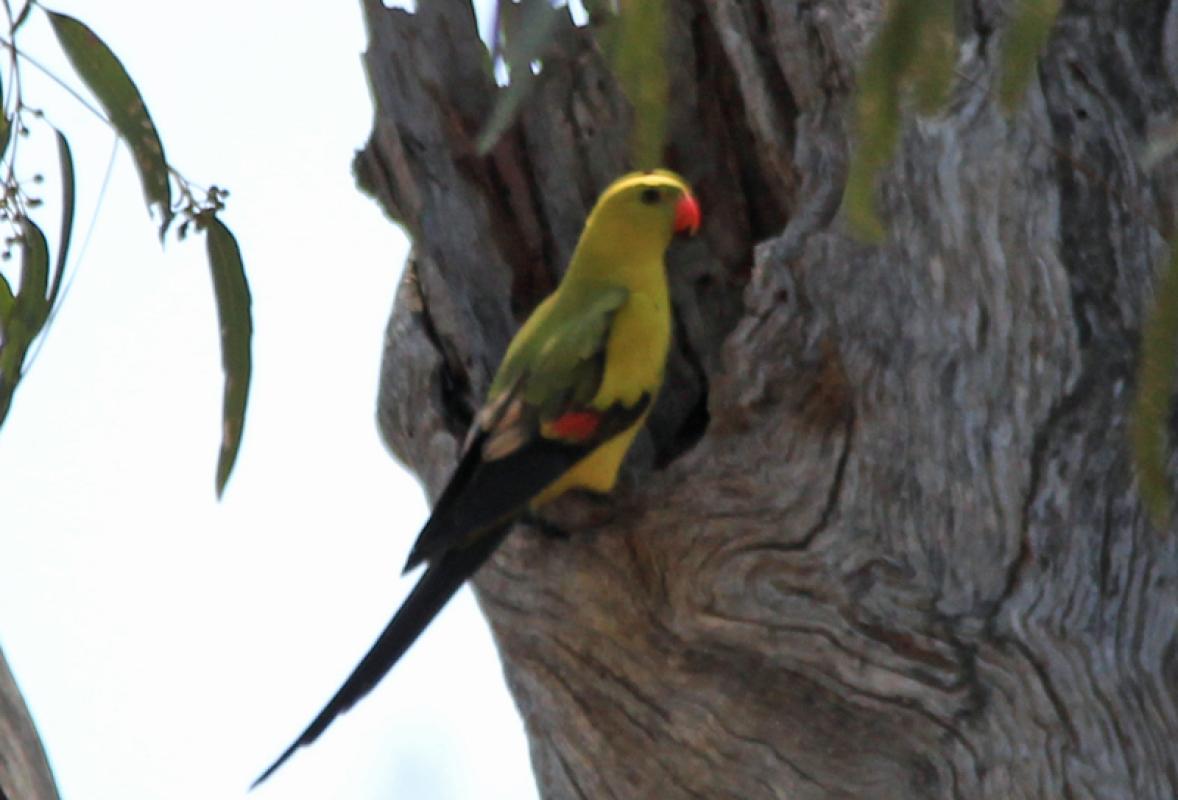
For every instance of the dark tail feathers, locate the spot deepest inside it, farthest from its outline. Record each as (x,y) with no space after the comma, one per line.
(435,588)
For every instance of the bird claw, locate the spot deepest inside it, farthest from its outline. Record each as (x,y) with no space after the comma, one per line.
(546,528)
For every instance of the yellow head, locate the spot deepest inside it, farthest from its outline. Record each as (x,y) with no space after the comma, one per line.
(634,221)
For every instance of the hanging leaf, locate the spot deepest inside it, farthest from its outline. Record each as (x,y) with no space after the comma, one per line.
(31,303)
(931,69)
(640,64)
(878,126)
(914,50)
(507,104)
(27,314)
(527,30)
(1022,42)
(5,127)
(1149,424)
(24,316)
(12,353)
(66,161)
(103,73)
(232,293)
(7,300)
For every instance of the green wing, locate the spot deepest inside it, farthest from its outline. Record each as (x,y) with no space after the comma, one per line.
(507,462)
(557,349)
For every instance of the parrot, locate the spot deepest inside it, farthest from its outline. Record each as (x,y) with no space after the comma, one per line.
(571,393)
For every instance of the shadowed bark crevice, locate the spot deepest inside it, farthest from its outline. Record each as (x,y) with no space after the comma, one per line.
(694,423)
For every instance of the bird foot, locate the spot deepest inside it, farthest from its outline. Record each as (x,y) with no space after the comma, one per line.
(548,529)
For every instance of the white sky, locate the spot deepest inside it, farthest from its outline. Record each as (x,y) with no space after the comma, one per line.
(170,646)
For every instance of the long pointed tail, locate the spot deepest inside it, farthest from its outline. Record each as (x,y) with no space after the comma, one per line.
(435,588)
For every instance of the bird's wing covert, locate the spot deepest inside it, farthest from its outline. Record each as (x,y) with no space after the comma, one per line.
(534,431)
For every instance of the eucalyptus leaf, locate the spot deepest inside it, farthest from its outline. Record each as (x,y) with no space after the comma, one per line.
(7,301)
(1022,42)
(901,56)
(507,105)
(640,63)
(66,162)
(1149,422)
(527,29)
(103,73)
(232,293)
(27,314)
(5,127)
(935,52)
(32,305)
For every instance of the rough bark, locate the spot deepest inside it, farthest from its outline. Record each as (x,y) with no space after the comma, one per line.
(883,538)
(24,770)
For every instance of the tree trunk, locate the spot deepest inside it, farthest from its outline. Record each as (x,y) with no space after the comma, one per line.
(24,770)
(883,539)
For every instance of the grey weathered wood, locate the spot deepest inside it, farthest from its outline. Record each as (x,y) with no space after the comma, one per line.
(883,539)
(24,770)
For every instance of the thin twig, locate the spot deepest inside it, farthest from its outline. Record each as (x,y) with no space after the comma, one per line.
(49,74)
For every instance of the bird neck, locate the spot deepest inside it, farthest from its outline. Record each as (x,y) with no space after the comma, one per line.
(634,262)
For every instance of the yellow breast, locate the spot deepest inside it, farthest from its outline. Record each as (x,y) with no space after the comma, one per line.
(636,355)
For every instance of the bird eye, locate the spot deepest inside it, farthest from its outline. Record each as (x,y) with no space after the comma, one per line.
(650,196)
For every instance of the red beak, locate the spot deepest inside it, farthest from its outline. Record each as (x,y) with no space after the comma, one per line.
(687,215)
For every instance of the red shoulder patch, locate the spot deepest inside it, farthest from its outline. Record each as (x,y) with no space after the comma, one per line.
(575,425)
